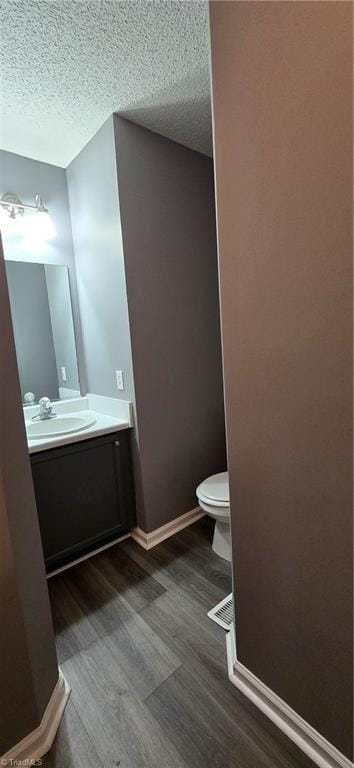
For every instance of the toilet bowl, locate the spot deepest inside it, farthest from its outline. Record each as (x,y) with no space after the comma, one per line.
(214,498)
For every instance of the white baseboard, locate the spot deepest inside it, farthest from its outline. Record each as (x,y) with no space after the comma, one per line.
(315,746)
(38,742)
(149,540)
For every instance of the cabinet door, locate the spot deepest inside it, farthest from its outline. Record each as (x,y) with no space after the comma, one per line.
(83,495)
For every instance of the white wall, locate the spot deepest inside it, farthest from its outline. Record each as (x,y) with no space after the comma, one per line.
(94,206)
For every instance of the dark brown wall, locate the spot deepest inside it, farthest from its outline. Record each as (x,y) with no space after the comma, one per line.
(167,208)
(282,97)
(28,664)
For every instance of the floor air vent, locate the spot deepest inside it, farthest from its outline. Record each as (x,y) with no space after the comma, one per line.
(223,613)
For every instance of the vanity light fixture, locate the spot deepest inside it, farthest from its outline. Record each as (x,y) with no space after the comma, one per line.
(14,207)
(40,228)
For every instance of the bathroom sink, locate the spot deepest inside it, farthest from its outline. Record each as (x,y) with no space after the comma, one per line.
(60,425)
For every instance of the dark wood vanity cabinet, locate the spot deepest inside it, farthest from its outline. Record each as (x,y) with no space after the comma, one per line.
(85,495)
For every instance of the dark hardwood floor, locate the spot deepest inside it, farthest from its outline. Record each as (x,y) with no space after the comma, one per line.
(147,668)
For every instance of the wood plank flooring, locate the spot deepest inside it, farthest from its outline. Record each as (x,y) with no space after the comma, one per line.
(147,667)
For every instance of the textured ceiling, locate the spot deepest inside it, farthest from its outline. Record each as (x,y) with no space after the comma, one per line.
(66,65)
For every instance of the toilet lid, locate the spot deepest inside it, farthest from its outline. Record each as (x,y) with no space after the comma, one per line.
(215,489)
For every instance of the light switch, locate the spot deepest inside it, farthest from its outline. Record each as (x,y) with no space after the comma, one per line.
(63,372)
(119,379)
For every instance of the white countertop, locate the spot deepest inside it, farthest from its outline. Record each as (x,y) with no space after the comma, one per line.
(110,416)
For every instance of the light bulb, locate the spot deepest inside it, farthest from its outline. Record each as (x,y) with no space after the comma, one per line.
(10,225)
(39,228)
(45,225)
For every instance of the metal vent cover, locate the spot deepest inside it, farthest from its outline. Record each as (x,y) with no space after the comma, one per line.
(223,613)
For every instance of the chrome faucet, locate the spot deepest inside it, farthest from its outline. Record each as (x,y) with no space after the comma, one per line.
(45,410)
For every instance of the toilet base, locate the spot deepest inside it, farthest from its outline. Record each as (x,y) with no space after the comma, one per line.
(222,540)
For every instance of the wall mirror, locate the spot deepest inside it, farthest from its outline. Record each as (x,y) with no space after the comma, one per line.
(44,330)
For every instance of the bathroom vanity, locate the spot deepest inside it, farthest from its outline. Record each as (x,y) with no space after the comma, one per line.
(79,446)
(82,475)
(84,493)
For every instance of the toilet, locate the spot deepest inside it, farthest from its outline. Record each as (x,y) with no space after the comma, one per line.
(214,498)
